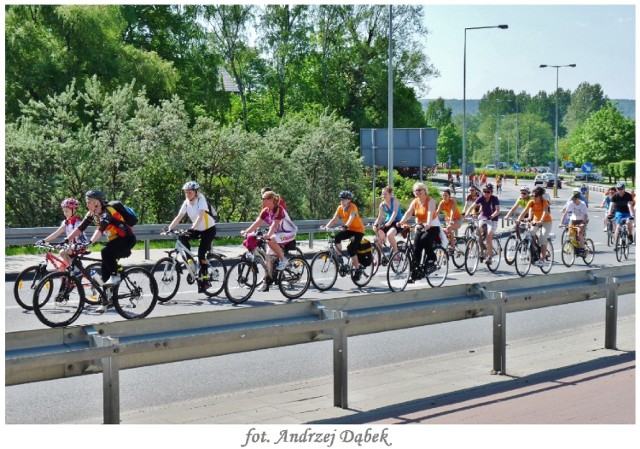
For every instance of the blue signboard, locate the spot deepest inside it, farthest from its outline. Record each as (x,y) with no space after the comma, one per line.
(587,167)
(516,166)
(569,165)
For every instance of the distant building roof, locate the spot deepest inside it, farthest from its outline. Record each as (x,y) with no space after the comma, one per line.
(228,83)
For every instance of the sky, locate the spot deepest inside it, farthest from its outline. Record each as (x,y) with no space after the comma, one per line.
(599,39)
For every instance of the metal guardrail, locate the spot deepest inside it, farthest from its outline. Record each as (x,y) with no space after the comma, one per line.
(39,355)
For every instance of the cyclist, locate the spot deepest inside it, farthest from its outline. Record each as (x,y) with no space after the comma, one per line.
(120,236)
(579,216)
(525,193)
(69,224)
(489,211)
(353,229)
(452,216)
(537,212)
(606,202)
(424,208)
(498,184)
(622,205)
(203,227)
(388,217)
(470,200)
(269,189)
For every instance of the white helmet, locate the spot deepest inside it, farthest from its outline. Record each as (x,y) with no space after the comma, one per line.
(191,185)
(576,189)
(525,189)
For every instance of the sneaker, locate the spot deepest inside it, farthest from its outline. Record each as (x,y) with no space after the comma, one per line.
(630,239)
(282,264)
(357,274)
(538,263)
(385,261)
(113,280)
(489,261)
(264,287)
(103,308)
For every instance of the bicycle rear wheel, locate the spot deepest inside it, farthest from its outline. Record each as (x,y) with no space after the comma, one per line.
(610,233)
(93,297)
(438,273)
(471,256)
(324,271)
(58,299)
(217,273)
(167,277)
(458,252)
(136,295)
(621,246)
(568,253)
(377,258)
(510,249)
(240,282)
(547,263)
(26,283)
(398,271)
(589,251)
(523,258)
(294,280)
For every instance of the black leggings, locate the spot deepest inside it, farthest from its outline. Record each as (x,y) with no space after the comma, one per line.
(355,242)
(206,238)
(115,249)
(424,240)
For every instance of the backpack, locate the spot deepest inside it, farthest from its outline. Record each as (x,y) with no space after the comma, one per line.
(212,211)
(365,252)
(129,215)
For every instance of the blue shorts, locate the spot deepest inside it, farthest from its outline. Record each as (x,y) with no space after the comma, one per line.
(621,216)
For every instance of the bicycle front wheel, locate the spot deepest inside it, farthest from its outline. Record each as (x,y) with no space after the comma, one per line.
(621,246)
(398,271)
(58,299)
(167,278)
(294,280)
(437,274)
(568,253)
(610,233)
(217,273)
(240,282)
(324,271)
(471,256)
(365,275)
(377,258)
(136,295)
(510,249)
(547,263)
(496,250)
(523,258)
(26,283)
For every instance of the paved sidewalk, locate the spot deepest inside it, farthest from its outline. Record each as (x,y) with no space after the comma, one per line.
(563,378)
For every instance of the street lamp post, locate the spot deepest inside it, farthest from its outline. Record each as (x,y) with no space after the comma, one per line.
(464,105)
(555,169)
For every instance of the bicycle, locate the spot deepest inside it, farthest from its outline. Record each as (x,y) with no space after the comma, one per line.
(169,270)
(327,264)
(472,228)
(29,278)
(528,251)
(60,297)
(403,266)
(476,251)
(242,279)
(381,258)
(459,246)
(511,245)
(622,241)
(571,246)
(611,232)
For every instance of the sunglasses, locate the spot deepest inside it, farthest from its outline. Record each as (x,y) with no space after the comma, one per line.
(486,191)
(419,190)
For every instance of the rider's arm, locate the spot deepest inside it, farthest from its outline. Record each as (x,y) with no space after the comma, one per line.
(256,224)
(199,219)
(408,214)
(439,209)
(511,211)
(632,211)
(332,221)
(175,221)
(54,234)
(496,214)
(380,216)
(524,212)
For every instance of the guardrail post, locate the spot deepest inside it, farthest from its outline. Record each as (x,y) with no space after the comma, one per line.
(110,375)
(611,315)
(147,249)
(311,240)
(499,340)
(340,365)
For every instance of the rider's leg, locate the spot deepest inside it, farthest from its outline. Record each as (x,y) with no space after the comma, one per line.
(206,238)
(391,236)
(355,244)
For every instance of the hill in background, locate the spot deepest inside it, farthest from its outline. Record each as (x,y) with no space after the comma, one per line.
(626,107)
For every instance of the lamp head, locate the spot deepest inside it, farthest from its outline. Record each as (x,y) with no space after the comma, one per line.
(503,27)
(542,66)
(572,65)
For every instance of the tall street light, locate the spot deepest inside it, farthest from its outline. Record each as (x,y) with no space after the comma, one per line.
(555,169)
(464,105)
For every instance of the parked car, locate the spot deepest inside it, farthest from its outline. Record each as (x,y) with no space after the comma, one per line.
(490,167)
(546,180)
(589,177)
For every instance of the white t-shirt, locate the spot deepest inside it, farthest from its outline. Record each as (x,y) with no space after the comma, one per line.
(193,210)
(578,211)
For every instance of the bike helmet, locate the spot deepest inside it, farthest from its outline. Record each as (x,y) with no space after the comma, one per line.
(71,203)
(191,185)
(525,189)
(345,194)
(97,195)
(621,185)
(488,186)
(576,190)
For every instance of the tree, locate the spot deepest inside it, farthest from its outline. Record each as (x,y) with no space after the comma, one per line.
(586,100)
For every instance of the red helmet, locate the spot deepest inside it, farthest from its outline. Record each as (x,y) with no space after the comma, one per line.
(71,203)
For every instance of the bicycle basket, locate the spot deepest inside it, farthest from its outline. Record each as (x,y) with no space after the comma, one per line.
(250,242)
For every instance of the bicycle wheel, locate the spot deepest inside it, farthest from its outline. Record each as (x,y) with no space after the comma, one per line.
(136,295)
(568,253)
(564,237)
(165,272)
(26,283)
(217,273)
(510,249)
(621,243)
(398,271)
(377,256)
(324,271)
(547,263)
(365,276)
(496,250)
(458,252)
(240,282)
(625,247)
(610,233)
(471,256)
(589,251)
(523,258)
(469,232)
(438,274)
(93,296)
(294,280)
(58,299)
